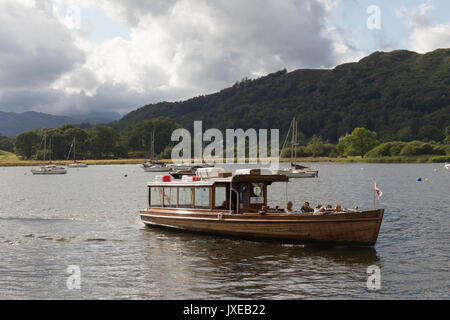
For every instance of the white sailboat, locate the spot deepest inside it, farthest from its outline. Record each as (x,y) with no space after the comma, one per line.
(50,168)
(296,170)
(154,166)
(75,164)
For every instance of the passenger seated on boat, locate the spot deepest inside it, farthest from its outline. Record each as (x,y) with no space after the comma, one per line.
(306,208)
(338,208)
(319,209)
(289,207)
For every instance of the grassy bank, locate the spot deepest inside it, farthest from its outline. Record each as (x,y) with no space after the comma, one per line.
(8,156)
(18,163)
(10,160)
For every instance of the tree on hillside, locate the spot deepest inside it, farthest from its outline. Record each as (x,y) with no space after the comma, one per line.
(360,142)
(25,144)
(102,141)
(447,135)
(6,144)
(138,136)
(430,133)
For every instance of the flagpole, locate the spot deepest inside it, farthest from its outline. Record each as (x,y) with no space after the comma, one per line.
(374,183)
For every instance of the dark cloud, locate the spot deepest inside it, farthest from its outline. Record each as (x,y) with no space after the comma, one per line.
(35,49)
(177,49)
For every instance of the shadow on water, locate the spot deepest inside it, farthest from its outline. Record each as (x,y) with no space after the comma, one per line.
(217,244)
(237,268)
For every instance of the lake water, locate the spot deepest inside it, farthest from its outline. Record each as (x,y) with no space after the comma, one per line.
(89,218)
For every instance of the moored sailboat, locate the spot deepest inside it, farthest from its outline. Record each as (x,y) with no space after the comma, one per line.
(296,170)
(49,169)
(151,165)
(75,164)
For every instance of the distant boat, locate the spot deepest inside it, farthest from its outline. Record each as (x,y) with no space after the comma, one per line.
(179,171)
(155,167)
(447,166)
(151,165)
(50,168)
(75,164)
(296,170)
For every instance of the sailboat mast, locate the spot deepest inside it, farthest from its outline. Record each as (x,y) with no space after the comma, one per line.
(296,141)
(50,148)
(153,143)
(292,138)
(45,144)
(74,159)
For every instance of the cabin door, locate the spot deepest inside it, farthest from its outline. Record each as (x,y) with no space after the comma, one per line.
(243,197)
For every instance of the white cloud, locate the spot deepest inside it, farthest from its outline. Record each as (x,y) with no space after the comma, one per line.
(425,34)
(181,48)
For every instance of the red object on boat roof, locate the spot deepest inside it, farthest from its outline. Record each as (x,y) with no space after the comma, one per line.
(167,178)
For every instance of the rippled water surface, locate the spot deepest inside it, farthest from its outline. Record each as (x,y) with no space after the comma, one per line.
(89,218)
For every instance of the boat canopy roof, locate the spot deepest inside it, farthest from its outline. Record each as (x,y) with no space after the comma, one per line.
(200,180)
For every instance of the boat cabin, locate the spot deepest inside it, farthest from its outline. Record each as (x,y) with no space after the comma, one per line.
(212,189)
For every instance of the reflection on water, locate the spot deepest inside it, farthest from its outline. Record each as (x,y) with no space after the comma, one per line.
(89,218)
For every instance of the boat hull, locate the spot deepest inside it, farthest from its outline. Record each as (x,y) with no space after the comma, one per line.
(77,165)
(353,229)
(156,169)
(299,173)
(48,172)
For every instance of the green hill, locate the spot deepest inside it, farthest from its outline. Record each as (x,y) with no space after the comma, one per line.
(395,94)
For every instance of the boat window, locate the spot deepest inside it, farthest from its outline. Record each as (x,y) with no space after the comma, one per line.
(156,196)
(202,198)
(220,198)
(170,197)
(185,197)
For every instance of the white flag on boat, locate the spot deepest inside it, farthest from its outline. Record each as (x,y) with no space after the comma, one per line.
(377,190)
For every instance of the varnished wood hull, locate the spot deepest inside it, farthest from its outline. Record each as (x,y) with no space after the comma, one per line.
(355,229)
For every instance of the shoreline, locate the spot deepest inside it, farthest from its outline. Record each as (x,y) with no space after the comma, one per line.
(393,160)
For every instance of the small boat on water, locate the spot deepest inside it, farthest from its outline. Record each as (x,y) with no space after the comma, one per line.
(447,166)
(179,170)
(75,164)
(50,168)
(296,170)
(151,165)
(154,166)
(217,202)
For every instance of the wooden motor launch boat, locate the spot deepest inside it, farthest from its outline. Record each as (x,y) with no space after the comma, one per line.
(217,202)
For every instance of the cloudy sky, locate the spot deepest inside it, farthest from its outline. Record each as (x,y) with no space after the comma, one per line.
(75,57)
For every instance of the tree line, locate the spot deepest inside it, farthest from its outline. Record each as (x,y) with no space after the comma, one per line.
(135,141)
(98,142)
